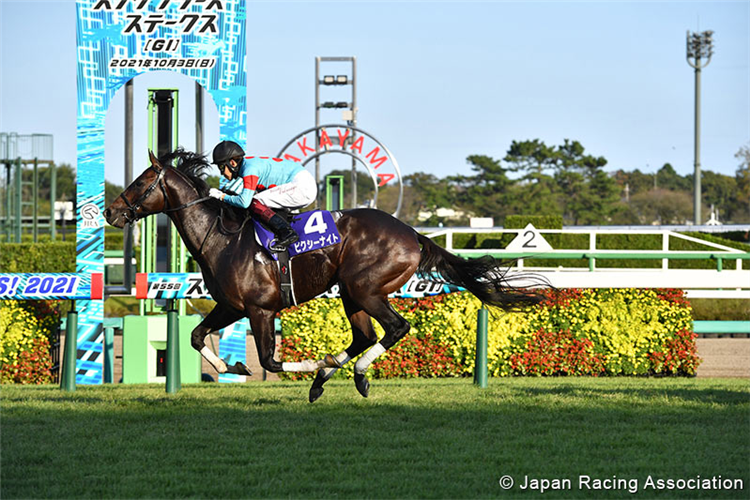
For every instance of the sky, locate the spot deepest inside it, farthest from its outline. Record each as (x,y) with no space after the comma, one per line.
(439,81)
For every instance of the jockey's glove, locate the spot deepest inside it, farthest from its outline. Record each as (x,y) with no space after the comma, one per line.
(215,193)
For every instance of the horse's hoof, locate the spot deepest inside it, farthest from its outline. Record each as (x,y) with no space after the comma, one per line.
(315,393)
(240,369)
(363,385)
(331,362)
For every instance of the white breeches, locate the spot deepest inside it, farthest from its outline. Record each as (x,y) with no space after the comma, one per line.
(299,193)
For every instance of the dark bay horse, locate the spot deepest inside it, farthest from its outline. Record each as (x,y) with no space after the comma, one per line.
(377,254)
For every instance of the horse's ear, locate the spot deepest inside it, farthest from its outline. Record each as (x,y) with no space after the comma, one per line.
(154,160)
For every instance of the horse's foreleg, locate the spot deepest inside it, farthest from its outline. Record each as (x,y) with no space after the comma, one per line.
(261,322)
(219,317)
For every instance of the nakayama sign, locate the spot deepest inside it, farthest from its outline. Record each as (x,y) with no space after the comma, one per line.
(351,141)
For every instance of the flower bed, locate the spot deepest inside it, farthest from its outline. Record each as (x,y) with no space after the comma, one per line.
(573,332)
(25,329)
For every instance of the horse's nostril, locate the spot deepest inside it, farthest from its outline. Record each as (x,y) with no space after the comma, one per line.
(107,213)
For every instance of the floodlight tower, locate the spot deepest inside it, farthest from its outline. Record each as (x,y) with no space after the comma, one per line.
(700,48)
(349,113)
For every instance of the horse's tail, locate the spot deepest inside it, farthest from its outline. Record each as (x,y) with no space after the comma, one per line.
(485,277)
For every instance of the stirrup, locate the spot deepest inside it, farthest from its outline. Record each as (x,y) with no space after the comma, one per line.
(281,246)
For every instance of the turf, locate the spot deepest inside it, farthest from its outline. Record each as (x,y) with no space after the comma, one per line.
(440,438)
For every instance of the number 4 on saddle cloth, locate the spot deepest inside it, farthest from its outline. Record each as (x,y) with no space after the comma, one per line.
(316,229)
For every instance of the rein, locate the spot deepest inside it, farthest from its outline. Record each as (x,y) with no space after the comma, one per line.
(132,216)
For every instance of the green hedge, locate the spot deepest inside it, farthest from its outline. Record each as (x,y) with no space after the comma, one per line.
(38,257)
(574,332)
(42,237)
(539,221)
(113,240)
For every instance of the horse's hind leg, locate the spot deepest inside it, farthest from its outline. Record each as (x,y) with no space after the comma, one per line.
(395,326)
(261,321)
(219,317)
(363,336)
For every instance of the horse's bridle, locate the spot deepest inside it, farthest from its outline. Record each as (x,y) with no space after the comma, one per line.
(159,181)
(134,207)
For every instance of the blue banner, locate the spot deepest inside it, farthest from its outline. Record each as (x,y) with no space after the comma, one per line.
(191,286)
(50,286)
(115,42)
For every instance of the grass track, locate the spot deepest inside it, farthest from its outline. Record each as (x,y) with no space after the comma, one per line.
(439,438)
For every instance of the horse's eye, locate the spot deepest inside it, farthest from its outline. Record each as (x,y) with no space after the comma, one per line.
(138,183)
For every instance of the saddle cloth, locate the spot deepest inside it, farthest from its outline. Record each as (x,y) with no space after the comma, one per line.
(316,229)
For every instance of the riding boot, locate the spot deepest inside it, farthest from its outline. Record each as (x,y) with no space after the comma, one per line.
(284,233)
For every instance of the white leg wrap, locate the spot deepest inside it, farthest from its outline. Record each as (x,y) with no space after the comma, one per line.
(307,365)
(367,358)
(343,358)
(212,358)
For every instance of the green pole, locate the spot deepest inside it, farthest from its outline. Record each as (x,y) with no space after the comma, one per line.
(18,194)
(6,215)
(8,202)
(68,378)
(173,348)
(35,190)
(109,361)
(52,200)
(480,367)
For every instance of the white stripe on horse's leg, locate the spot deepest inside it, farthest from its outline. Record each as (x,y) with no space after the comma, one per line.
(343,358)
(367,358)
(215,361)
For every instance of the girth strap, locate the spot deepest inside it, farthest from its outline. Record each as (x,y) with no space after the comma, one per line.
(285,274)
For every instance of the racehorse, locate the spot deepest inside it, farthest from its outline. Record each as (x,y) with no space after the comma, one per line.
(377,254)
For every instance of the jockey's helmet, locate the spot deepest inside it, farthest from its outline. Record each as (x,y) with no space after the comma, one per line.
(228,150)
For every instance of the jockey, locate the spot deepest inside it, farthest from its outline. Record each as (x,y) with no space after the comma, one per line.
(268,183)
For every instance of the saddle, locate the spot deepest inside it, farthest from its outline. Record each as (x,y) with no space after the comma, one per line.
(316,229)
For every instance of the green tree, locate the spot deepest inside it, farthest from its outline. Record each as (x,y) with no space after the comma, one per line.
(719,191)
(587,192)
(741,204)
(532,158)
(66,182)
(111,192)
(430,192)
(667,178)
(662,206)
(578,186)
(485,193)
(636,181)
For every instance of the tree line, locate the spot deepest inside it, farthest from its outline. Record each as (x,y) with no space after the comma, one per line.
(536,179)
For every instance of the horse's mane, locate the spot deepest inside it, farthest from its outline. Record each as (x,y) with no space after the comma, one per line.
(194,166)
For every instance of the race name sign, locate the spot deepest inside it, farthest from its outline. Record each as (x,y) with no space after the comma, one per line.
(161,29)
(51,286)
(191,286)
